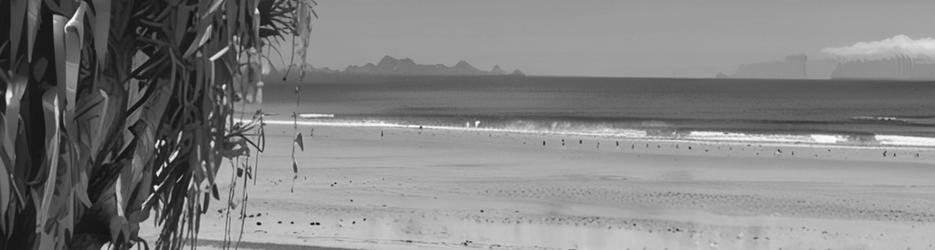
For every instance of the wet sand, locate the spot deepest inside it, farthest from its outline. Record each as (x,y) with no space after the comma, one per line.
(430,189)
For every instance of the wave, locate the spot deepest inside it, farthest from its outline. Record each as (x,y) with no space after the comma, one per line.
(896,119)
(659,131)
(313,115)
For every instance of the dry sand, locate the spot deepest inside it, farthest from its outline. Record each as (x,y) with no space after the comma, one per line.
(431,189)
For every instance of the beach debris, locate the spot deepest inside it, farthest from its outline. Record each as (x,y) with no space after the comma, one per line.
(884,153)
(580,141)
(259,223)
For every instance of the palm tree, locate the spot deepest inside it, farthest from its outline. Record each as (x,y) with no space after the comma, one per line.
(112,110)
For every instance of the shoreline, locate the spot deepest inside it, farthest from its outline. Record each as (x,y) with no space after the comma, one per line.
(928,144)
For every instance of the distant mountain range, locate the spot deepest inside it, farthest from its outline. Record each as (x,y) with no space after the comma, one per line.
(389,65)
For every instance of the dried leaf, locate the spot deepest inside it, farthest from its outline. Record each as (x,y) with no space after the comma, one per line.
(214,191)
(298,140)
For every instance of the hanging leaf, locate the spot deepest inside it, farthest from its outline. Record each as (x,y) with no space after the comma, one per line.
(32,26)
(200,39)
(220,53)
(213,7)
(50,106)
(58,40)
(101,28)
(298,140)
(74,32)
(295,167)
(16,25)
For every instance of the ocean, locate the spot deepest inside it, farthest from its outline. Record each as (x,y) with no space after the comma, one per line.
(846,112)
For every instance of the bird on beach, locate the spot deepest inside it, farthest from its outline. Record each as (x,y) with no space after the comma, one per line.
(543,143)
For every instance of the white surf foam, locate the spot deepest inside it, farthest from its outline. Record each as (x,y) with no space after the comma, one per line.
(701,136)
(312,115)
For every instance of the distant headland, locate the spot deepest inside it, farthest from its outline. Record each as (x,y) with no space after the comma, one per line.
(391,66)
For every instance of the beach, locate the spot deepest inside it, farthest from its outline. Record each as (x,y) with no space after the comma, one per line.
(405,188)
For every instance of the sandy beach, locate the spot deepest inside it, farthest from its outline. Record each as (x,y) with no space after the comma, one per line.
(431,189)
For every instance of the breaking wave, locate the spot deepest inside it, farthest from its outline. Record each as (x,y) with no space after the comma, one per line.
(649,130)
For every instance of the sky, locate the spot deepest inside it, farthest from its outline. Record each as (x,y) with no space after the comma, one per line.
(641,38)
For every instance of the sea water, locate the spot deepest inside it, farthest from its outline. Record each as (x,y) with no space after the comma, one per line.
(849,112)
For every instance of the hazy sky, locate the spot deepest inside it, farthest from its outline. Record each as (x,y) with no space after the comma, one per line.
(606,37)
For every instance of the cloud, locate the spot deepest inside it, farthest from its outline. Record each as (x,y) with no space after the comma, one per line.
(896,45)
